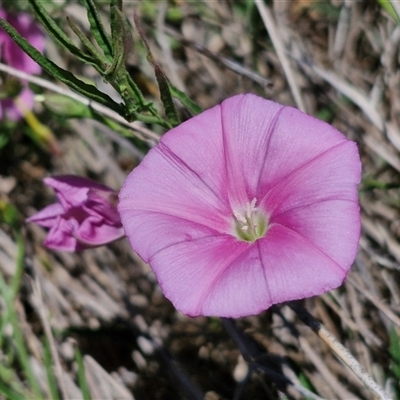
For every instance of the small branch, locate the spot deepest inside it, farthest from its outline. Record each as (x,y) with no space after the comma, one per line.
(226,62)
(272,30)
(338,349)
(251,354)
(37,301)
(147,134)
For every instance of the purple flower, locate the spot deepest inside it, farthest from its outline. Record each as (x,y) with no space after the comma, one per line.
(86,215)
(14,56)
(246,205)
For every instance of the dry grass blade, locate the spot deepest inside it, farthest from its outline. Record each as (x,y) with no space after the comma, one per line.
(37,301)
(339,350)
(144,133)
(275,36)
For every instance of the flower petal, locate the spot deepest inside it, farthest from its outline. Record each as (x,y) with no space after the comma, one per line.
(248,122)
(240,289)
(333,175)
(94,232)
(333,226)
(163,183)
(297,138)
(29,29)
(72,190)
(47,216)
(60,236)
(198,144)
(151,232)
(295,268)
(188,270)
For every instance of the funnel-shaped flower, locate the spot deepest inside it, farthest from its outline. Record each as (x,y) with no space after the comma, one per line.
(14,56)
(246,205)
(86,215)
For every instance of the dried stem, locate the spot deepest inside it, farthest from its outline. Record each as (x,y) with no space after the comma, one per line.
(145,134)
(338,349)
(272,30)
(37,301)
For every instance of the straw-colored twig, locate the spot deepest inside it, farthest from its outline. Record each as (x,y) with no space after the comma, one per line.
(144,133)
(269,23)
(376,302)
(339,350)
(226,62)
(37,301)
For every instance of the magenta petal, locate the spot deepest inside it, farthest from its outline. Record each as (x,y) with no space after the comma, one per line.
(85,217)
(60,236)
(98,203)
(47,216)
(163,183)
(187,271)
(184,141)
(29,29)
(248,122)
(333,226)
(73,190)
(296,139)
(16,108)
(246,205)
(151,232)
(94,232)
(241,289)
(295,268)
(333,175)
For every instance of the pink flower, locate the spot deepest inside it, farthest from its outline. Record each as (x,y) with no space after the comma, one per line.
(85,217)
(246,205)
(12,55)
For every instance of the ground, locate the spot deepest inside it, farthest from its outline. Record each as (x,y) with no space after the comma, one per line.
(338,61)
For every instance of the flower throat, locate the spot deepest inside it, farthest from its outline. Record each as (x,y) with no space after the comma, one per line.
(251,224)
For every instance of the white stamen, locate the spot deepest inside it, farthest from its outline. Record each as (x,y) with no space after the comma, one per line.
(251,224)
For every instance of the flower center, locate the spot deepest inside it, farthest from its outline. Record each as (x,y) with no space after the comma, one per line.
(250,224)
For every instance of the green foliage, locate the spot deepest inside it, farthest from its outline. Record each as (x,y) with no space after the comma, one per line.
(51,379)
(81,376)
(66,107)
(394,350)
(64,76)
(388,6)
(163,83)
(108,59)
(12,340)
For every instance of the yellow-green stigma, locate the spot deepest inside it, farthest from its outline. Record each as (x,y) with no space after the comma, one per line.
(251,224)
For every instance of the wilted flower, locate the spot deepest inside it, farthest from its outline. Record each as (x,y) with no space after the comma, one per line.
(246,205)
(86,215)
(13,55)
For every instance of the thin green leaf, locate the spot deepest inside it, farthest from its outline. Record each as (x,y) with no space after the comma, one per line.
(64,76)
(395,352)
(51,379)
(118,34)
(19,340)
(166,97)
(115,5)
(82,376)
(19,268)
(66,107)
(100,60)
(162,81)
(388,6)
(97,29)
(185,100)
(9,379)
(143,37)
(54,30)
(10,394)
